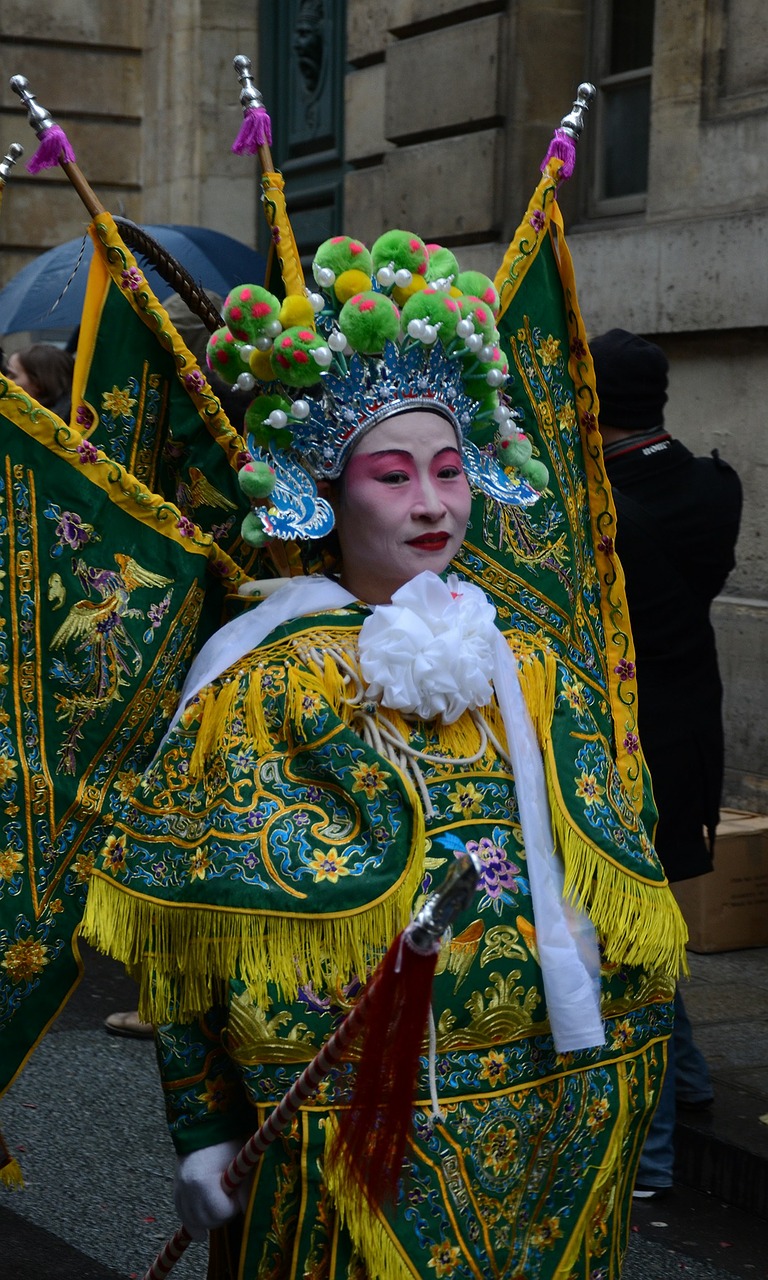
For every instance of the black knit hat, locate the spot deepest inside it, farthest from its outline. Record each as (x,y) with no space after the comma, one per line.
(631,377)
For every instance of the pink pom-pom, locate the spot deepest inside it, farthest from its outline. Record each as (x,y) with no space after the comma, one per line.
(255,130)
(562,147)
(54,146)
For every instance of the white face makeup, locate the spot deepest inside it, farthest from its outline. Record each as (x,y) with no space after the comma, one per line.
(403,504)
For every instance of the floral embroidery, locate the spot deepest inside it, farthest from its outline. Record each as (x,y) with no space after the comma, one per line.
(10,862)
(118,402)
(369,778)
(199,863)
(445,1258)
(185,527)
(84,416)
(466,799)
(588,788)
(23,960)
(131,278)
(538,220)
(8,769)
(547,1233)
(498,1148)
(632,743)
(329,866)
(624,669)
(549,351)
(87,452)
(113,855)
(83,867)
(495,1068)
(216,1095)
(194,380)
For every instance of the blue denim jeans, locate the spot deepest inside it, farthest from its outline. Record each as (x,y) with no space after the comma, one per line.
(687,1080)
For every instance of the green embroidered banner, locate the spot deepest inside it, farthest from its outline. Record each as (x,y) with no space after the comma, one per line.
(102,593)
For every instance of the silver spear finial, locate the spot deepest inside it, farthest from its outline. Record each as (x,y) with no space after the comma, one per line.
(14,153)
(573,123)
(38,117)
(249,94)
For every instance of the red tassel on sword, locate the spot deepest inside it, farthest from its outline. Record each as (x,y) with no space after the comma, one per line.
(393,1010)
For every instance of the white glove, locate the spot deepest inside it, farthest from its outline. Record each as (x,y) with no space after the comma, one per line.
(201,1201)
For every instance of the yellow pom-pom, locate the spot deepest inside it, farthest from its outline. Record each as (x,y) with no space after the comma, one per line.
(401,295)
(297,310)
(261,366)
(351,282)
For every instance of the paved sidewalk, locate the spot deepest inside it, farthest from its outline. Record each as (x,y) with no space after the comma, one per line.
(725,1152)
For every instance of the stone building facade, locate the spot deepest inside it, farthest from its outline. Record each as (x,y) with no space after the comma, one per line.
(435,114)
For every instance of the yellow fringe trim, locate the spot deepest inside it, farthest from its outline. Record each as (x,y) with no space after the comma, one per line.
(379,1251)
(255,720)
(11,1176)
(538,682)
(183,952)
(461,739)
(638,922)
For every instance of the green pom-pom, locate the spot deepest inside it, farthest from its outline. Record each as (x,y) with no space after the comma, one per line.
(478,286)
(402,250)
(443,265)
(299,357)
(339,254)
(436,308)
(249,309)
(514,451)
(263,432)
(481,316)
(252,531)
(256,479)
(536,474)
(368,321)
(223,356)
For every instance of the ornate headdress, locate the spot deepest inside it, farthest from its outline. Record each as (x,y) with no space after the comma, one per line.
(389,329)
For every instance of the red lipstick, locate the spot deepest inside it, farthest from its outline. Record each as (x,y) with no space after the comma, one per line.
(429,541)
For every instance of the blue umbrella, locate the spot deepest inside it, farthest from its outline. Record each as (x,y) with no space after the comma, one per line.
(45,296)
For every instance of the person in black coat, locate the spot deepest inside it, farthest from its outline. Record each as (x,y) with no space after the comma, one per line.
(677,525)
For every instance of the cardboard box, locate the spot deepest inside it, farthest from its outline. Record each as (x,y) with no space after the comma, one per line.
(727,910)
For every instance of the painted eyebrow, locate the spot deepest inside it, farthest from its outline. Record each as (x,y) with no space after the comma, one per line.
(406,453)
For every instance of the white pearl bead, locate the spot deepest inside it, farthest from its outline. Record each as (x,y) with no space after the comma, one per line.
(324,276)
(273,327)
(385,277)
(323,356)
(430,334)
(416,329)
(316,301)
(474,342)
(278,418)
(495,378)
(403,278)
(337,341)
(465,328)
(246,351)
(300,409)
(246,382)
(486,352)
(263,343)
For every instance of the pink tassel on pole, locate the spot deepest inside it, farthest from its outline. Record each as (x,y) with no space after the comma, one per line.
(54,146)
(255,130)
(562,147)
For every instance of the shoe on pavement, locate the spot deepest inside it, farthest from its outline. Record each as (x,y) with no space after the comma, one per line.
(642,1192)
(130,1025)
